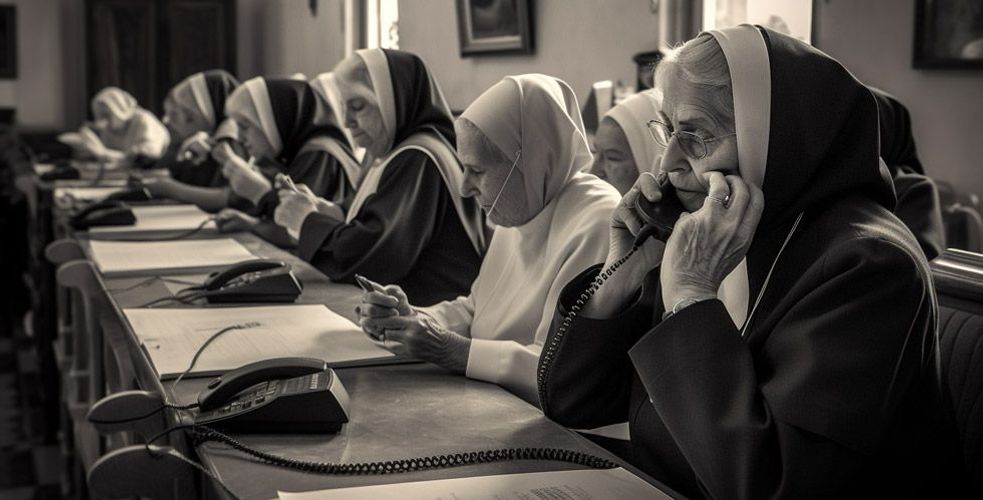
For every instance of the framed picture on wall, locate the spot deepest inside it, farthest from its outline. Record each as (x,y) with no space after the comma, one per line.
(494,26)
(8,41)
(948,34)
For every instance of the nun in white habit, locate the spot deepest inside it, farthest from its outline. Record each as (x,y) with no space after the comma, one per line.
(523,146)
(623,145)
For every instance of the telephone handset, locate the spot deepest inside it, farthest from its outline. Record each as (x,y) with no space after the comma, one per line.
(264,280)
(104,213)
(661,216)
(276,395)
(132,194)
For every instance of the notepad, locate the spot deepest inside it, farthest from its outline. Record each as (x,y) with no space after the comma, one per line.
(159,221)
(121,258)
(172,336)
(606,484)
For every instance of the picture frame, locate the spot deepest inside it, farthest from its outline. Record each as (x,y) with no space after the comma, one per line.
(8,41)
(948,34)
(488,27)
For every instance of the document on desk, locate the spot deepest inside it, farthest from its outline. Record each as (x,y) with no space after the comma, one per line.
(157,221)
(172,336)
(121,258)
(594,484)
(64,194)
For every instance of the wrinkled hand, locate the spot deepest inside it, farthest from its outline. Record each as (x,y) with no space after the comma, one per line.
(625,224)
(222,153)
(382,302)
(244,179)
(230,220)
(419,336)
(294,207)
(709,243)
(195,148)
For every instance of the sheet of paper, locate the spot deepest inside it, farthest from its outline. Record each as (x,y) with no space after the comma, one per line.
(172,336)
(159,220)
(610,484)
(73,139)
(166,257)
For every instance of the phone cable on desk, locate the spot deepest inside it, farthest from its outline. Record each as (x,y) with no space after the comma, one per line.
(204,434)
(186,234)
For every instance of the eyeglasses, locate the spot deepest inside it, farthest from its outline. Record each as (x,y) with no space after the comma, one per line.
(692,145)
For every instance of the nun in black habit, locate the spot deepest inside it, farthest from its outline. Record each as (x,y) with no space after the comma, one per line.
(407,224)
(918,197)
(194,113)
(281,126)
(783,342)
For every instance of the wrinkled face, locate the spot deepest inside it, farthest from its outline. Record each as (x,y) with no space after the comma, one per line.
(362,116)
(102,114)
(687,107)
(486,177)
(252,138)
(613,160)
(182,122)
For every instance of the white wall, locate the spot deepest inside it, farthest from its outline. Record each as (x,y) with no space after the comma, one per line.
(280,37)
(36,93)
(579,41)
(874,39)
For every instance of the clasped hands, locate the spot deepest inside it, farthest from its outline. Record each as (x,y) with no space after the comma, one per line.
(387,317)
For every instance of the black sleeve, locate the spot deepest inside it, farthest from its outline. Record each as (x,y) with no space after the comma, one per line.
(920,209)
(320,171)
(392,228)
(801,417)
(585,375)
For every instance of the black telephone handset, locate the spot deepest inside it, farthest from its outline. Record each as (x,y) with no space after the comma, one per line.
(264,280)
(276,395)
(104,213)
(659,217)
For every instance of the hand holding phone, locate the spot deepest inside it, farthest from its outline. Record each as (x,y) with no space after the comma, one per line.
(658,217)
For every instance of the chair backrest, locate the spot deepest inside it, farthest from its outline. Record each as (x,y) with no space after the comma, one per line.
(133,471)
(958,277)
(80,275)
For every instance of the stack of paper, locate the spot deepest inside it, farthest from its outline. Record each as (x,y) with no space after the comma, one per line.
(609,484)
(172,337)
(159,221)
(166,257)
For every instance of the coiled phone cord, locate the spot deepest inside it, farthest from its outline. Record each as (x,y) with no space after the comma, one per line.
(203,434)
(546,358)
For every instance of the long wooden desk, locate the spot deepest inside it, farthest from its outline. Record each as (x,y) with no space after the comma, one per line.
(397,411)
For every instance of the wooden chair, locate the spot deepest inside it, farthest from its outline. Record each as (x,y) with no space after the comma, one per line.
(162,471)
(83,383)
(59,252)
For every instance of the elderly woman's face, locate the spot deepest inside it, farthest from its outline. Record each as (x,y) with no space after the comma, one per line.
(613,160)
(363,118)
(486,177)
(252,138)
(181,121)
(686,107)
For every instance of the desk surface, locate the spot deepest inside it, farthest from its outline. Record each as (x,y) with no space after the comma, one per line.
(397,411)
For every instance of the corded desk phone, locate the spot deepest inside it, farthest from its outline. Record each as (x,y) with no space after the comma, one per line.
(133,194)
(660,217)
(279,395)
(104,213)
(253,281)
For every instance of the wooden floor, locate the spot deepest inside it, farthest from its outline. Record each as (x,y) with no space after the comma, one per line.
(29,468)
